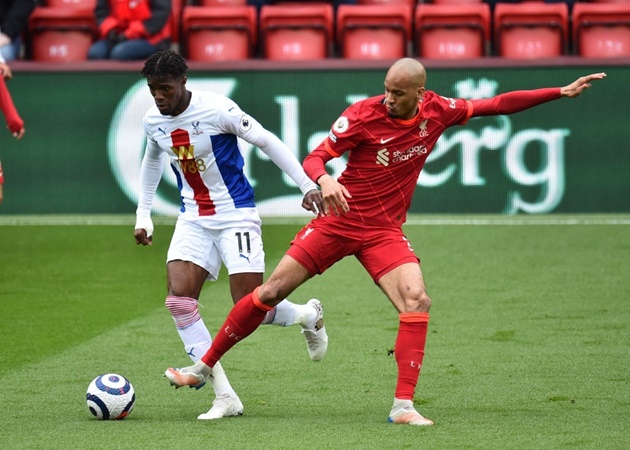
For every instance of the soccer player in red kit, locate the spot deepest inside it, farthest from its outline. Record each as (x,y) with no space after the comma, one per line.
(15,124)
(387,139)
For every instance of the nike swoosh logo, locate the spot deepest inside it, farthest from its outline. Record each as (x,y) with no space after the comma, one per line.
(385,141)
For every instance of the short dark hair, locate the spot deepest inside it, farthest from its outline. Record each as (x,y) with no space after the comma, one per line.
(165,64)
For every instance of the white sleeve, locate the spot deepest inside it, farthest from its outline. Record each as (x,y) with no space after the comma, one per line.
(282,157)
(150,176)
(235,121)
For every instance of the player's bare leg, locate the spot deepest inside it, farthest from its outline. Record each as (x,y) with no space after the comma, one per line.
(405,288)
(309,316)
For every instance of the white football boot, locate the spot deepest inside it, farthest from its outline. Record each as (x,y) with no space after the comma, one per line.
(223,406)
(194,376)
(403,412)
(315,333)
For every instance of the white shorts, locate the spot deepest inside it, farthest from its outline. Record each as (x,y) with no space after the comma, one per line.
(237,245)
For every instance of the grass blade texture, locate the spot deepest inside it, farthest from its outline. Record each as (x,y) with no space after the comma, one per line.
(528,343)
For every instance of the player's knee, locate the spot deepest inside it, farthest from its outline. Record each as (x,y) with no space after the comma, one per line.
(185,310)
(419,301)
(271,292)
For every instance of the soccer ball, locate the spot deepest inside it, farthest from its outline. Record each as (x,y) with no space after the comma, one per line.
(110,397)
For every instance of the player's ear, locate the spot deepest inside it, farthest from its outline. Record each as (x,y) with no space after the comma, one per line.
(420,93)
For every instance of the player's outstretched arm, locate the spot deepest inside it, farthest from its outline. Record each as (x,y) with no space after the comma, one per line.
(15,124)
(574,89)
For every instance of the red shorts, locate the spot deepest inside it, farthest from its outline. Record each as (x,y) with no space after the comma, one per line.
(326,240)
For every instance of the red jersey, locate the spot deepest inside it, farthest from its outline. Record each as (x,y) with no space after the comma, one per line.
(386,155)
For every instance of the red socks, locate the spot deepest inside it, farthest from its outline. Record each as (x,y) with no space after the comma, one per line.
(245,317)
(14,121)
(249,312)
(409,351)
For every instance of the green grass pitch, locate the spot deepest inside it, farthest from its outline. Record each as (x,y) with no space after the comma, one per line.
(528,348)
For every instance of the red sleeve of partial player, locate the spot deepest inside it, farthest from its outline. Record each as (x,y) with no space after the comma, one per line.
(14,121)
(315,163)
(513,102)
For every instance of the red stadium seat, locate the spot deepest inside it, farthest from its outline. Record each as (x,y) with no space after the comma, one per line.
(601,30)
(454,2)
(296,32)
(411,3)
(218,34)
(373,31)
(81,4)
(222,3)
(531,30)
(61,34)
(445,32)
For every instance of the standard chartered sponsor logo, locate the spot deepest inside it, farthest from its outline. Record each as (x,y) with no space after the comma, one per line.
(514,149)
(410,153)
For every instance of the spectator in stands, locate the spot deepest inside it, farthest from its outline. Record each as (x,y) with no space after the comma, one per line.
(14,121)
(14,16)
(131,30)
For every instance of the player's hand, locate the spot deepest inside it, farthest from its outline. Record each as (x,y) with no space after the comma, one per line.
(574,89)
(141,237)
(19,134)
(335,195)
(314,201)
(5,71)
(143,232)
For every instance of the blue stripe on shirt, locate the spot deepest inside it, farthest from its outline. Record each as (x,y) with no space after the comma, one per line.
(230,163)
(180,186)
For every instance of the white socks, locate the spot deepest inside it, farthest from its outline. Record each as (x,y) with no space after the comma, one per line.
(287,313)
(197,341)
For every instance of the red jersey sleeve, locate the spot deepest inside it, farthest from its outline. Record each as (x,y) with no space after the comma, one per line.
(347,132)
(343,136)
(315,163)
(14,121)
(513,102)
